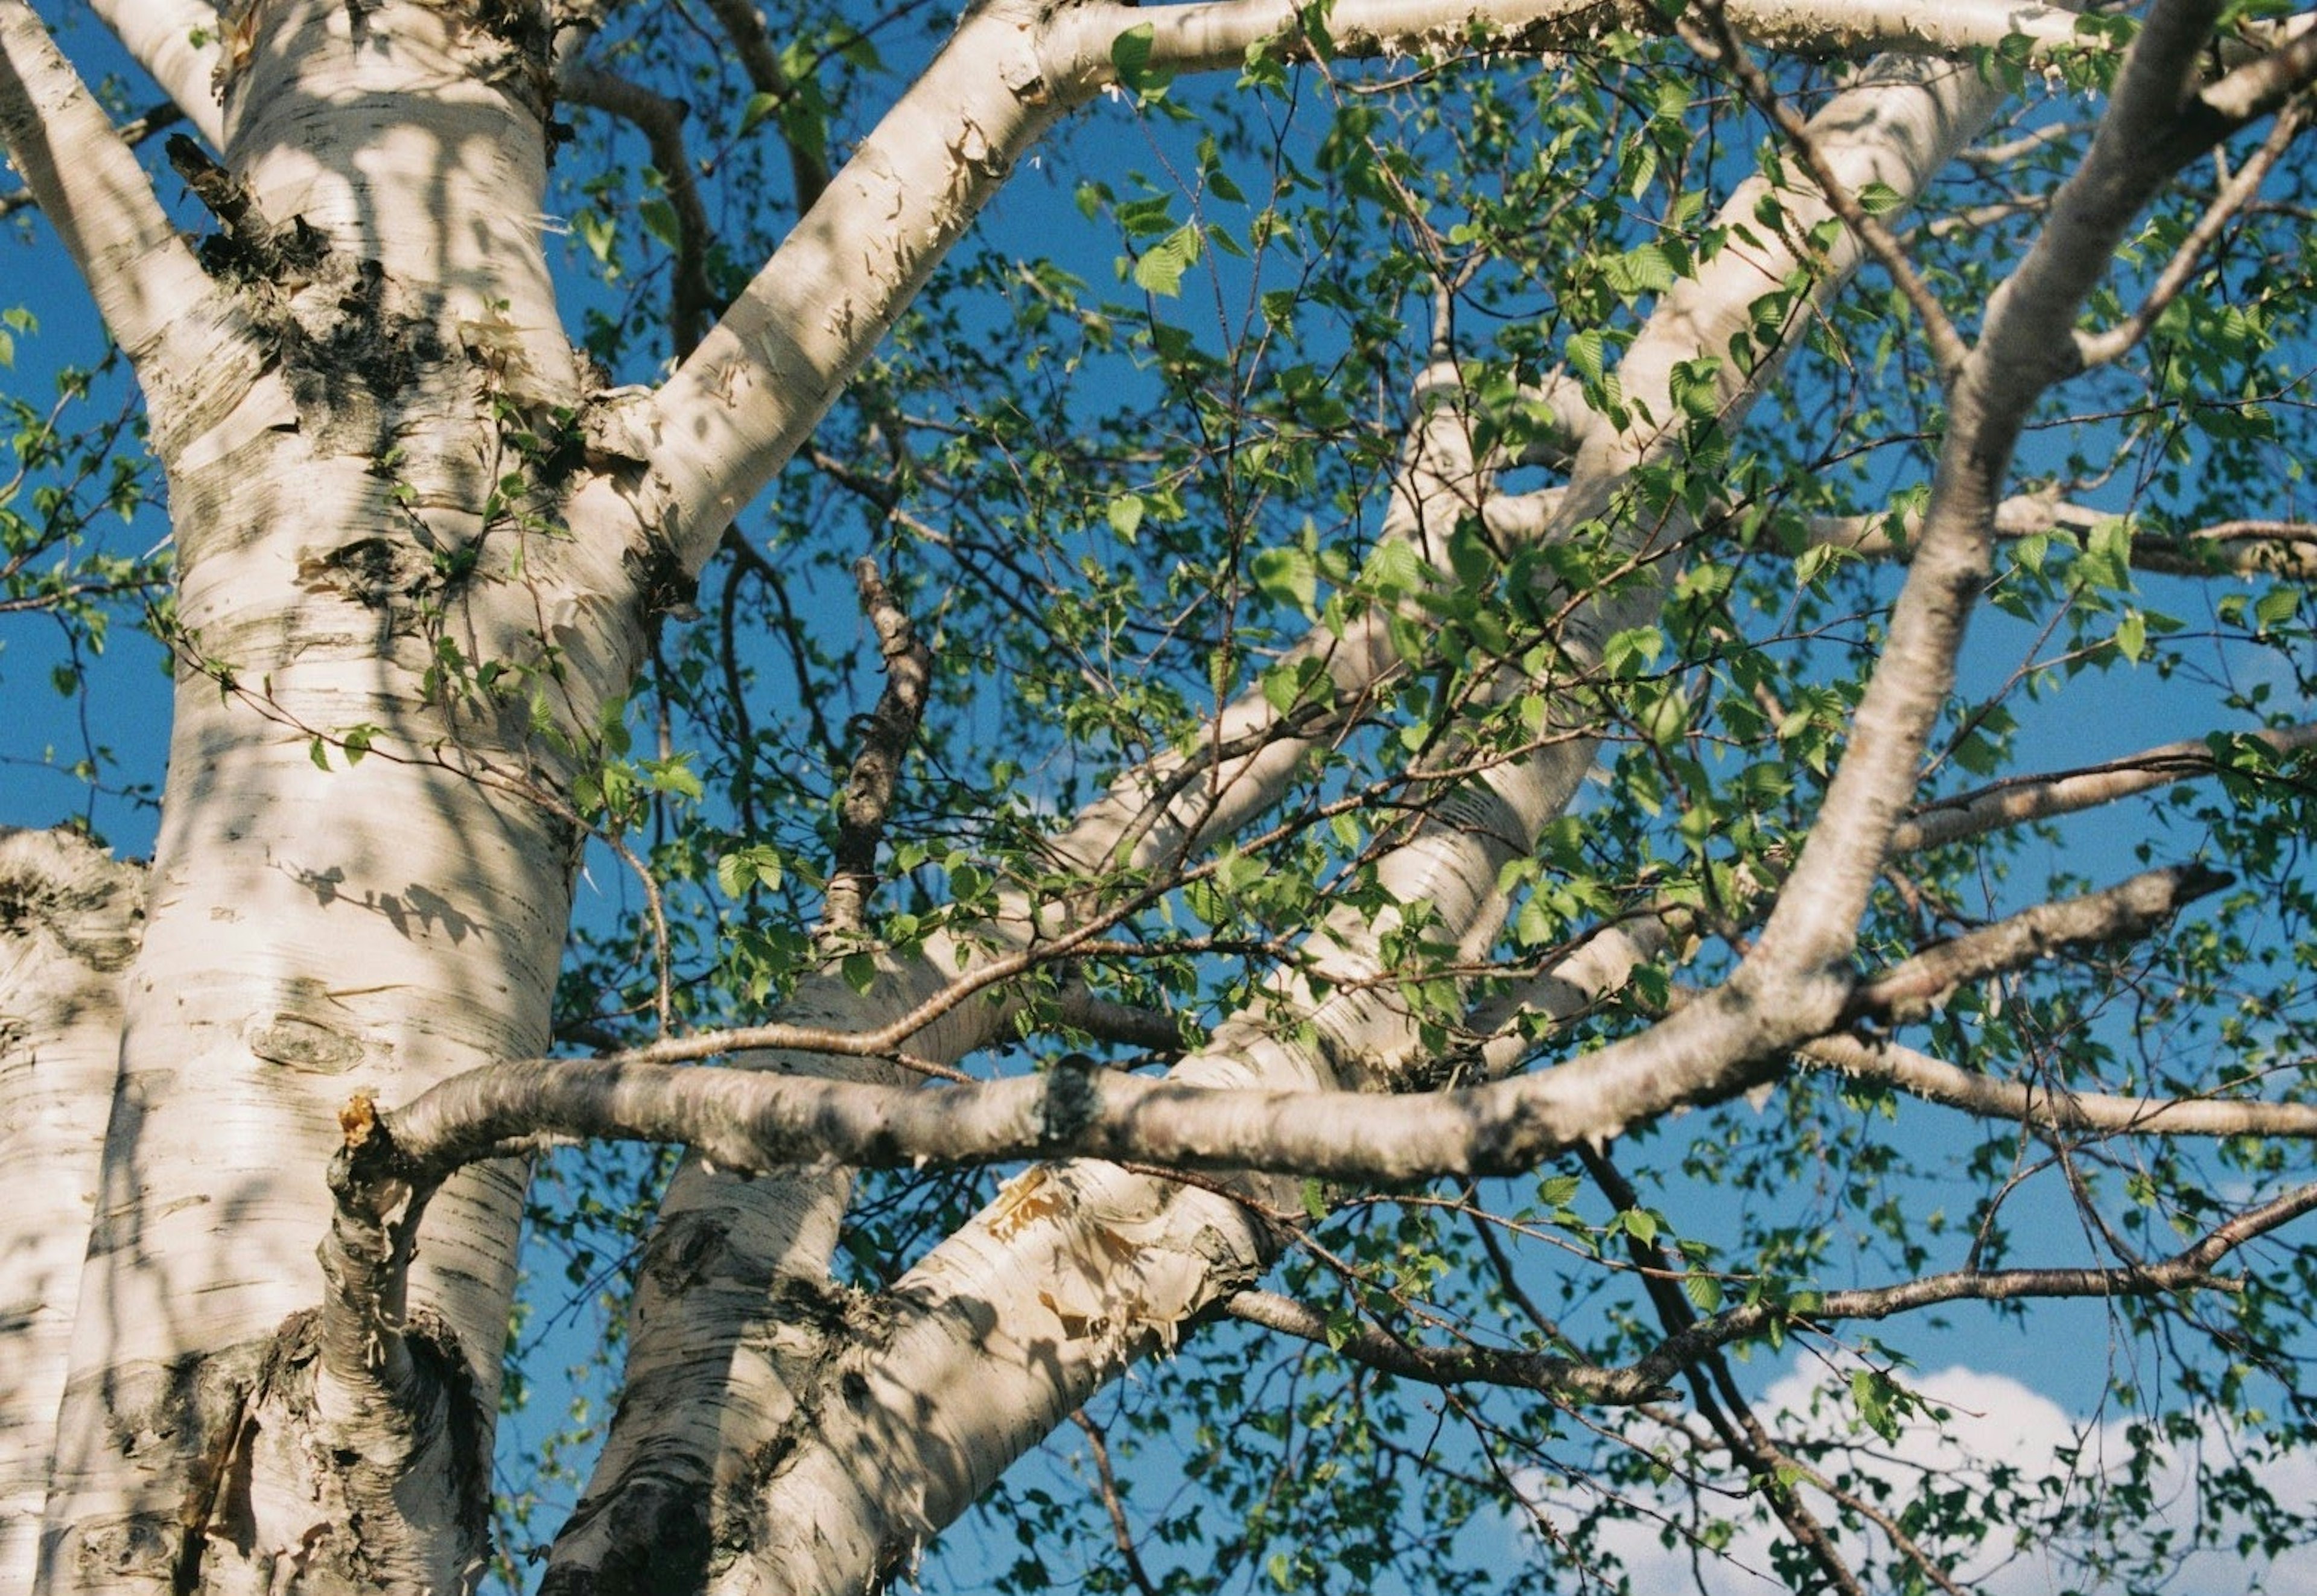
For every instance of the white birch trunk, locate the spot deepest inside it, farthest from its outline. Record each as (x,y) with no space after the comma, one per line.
(68,926)
(315,931)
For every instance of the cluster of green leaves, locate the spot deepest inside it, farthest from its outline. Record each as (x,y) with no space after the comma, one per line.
(74,480)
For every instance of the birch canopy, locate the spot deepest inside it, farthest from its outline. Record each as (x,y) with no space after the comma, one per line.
(1236,795)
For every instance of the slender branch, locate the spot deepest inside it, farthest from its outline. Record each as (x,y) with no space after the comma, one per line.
(2189,1270)
(133,132)
(1909,991)
(1718,1399)
(1893,1531)
(1380,1349)
(886,734)
(2055,1107)
(1647,1378)
(1122,1533)
(661,120)
(2101,348)
(1154,1030)
(2026,144)
(745,26)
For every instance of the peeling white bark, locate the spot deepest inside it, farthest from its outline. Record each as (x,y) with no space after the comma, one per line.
(180,43)
(91,191)
(428,157)
(329,416)
(762,379)
(1218,34)
(68,926)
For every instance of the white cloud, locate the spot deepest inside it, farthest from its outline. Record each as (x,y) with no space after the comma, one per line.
(2019,1460)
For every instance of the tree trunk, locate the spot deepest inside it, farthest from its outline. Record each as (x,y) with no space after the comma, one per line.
(391,660)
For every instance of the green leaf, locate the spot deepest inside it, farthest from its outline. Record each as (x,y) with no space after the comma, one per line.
(674,778)
(1879,199)
(753,114)
(1287,576)
(1130,53)
(1315,1200)
(1695,389)
(1586,352)
(1125,514)
(1160,270)
(1558,1192)
(659,218)
(596,231)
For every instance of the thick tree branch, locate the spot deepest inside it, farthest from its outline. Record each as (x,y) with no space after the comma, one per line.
(1898,121)
(1151,819)
(751,1121)
(2025,346)
(180,44)
(1217,35)
(1946,345)
(740,407)
(748,1120)
(2264,83)
(2023,800)
(1909,991)
(2243,547)
(1603,963)
(91,191)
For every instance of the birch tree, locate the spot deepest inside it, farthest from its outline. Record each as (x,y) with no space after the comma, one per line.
(1260,720)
